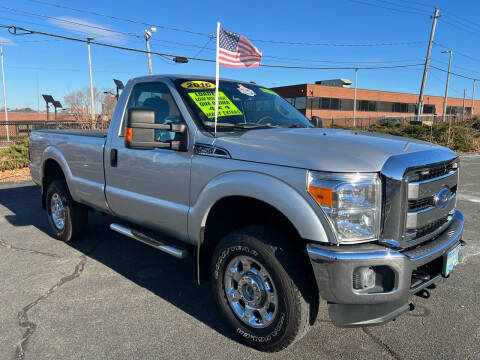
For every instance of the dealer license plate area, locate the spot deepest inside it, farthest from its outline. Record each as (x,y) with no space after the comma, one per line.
(451,260)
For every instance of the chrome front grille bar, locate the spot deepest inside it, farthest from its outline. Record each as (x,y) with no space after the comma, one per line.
(420,218)
(426,188)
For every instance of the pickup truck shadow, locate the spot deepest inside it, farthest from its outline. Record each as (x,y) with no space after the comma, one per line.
(172,279)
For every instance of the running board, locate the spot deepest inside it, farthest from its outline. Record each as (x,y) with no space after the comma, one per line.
(134,234)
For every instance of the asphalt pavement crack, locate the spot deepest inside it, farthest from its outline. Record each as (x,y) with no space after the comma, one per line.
(14,248)
(30,326)
(379,341)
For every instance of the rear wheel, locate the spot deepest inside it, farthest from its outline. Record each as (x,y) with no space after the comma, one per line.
(68,219)
(263,289)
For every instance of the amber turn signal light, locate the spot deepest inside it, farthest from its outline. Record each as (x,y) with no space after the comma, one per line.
(323,196)
(128,134)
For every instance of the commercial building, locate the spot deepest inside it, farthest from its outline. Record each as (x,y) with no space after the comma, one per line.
(335,98)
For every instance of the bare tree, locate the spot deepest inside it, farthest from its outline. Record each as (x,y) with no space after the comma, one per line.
(78,102)
(108,104)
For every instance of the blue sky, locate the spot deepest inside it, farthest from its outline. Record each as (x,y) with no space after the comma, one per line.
(62,66)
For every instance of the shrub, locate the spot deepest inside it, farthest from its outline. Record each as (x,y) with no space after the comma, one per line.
(463,136)
(14,157)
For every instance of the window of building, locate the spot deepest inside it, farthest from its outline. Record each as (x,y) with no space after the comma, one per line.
(429,109)
(329,103)
(366,105)
(346,104)
(300,103)
(400,107)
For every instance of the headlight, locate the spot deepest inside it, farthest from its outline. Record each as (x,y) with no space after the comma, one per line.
(352,203)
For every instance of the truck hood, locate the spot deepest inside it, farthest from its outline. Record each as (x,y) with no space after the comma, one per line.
(322,149)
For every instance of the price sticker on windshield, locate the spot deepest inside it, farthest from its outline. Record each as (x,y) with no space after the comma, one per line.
(198,85)
(205,100)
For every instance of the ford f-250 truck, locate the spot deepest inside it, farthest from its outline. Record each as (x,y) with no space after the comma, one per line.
(280,215)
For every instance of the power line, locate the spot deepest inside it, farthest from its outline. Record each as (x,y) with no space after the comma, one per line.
(404,43)
(14,31)
(70,22)
(389,8)
(119,18)
(458,52)
(455,74)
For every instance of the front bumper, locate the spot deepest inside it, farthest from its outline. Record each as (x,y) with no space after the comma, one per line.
(334,268)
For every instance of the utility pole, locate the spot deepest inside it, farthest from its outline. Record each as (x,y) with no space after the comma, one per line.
(4,95)
(427,64)
(148,35)
(92,100)
(311,104)
(355,100)
(38,96)
(448,81)
(463,107)
(473,97)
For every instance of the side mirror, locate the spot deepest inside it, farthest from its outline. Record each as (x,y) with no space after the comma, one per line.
(317,121)
(140,132)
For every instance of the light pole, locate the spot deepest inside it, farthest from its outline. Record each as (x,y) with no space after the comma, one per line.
(148,35)
(48,100)
(56,104)
(448,81)
(4,95)
(119,85)
(355,101)
(311,105)
(92,100)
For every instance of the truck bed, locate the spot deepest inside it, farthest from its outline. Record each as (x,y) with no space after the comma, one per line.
(78,132)
(80,154)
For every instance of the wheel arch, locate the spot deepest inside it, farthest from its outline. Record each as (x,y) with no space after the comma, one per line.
(54,166)
(238,199)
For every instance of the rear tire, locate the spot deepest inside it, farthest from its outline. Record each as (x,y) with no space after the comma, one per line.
(68,219)
(279,282)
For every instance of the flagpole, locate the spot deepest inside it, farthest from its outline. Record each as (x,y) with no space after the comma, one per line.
(217,74)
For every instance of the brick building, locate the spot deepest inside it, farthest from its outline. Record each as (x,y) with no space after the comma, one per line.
(334,98)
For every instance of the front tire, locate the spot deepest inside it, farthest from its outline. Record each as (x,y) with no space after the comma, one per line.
(68,219)
(262,286)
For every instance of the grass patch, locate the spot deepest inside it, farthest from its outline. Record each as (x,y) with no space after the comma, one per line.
(14,157)
(462,136)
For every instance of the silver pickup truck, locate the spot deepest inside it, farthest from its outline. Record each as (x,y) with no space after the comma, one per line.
(280,215)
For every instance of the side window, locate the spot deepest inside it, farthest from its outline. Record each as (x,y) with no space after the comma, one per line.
(155,96)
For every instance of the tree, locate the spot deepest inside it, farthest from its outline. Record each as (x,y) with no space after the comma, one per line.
(78,103)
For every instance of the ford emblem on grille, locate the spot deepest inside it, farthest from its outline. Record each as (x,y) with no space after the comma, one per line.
(442,198)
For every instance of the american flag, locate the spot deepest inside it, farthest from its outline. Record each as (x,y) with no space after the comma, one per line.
(236,51)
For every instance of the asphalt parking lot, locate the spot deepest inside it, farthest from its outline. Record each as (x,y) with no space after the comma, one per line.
(109,297)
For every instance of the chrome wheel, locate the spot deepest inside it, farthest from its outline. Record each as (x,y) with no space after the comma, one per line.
(250,291)
(57,211)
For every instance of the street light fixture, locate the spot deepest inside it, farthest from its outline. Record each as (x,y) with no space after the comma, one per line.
(56,104)
(48,100)
(119,85)
(148,35)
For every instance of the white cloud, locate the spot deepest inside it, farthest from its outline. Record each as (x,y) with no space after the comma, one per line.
(6,41)
(87,28)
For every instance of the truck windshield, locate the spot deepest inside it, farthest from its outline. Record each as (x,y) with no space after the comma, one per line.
(242,106)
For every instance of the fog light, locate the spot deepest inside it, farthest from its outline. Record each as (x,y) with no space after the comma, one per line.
(363,278)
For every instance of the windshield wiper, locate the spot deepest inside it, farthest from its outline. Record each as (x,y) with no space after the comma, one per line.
(248,126)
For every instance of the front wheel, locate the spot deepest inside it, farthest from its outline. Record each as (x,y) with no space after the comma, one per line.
(263,289)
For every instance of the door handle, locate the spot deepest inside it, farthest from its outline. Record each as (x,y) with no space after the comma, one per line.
(113,157)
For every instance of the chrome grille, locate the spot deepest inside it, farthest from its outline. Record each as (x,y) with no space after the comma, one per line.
(430,207)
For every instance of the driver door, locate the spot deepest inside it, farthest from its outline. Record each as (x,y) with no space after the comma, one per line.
(150,187)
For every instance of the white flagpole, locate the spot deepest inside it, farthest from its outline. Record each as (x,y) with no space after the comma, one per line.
(217,77)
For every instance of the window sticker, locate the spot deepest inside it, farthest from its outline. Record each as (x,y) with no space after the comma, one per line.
(268,91)
(198,85)
(246,91)
(205,100)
